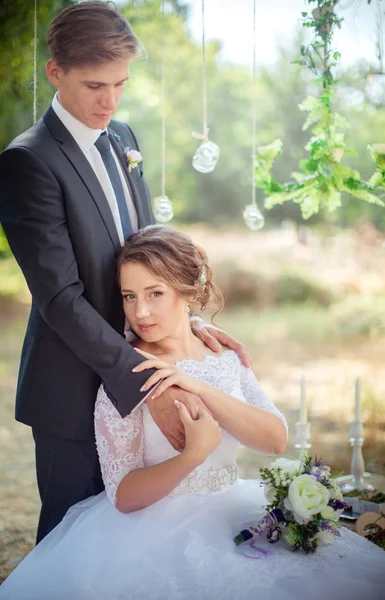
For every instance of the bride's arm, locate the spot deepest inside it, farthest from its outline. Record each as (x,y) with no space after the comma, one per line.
(147,485)
(129,484)
(257,423)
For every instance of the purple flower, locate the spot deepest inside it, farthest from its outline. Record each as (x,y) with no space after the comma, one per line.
(329,526)
(316,473)
(321,465)
(337,504)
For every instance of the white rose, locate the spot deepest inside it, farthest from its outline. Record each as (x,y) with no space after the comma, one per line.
(325,537)
(329,514)
(307,497)
(134,155)
(288,505)
(291,467)
(269,492)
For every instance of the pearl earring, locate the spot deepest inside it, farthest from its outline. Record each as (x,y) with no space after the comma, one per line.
(187,308)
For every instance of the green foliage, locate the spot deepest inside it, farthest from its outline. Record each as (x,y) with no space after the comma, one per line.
(360,316)
(16,71)
(242,287)
(5,250)
(321,179)
(372,496)
(294,288)
(12,283)
(16,63)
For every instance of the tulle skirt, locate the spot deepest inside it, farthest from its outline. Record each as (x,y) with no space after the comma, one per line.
(182,548)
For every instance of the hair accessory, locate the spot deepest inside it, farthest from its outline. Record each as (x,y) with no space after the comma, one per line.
(203,278)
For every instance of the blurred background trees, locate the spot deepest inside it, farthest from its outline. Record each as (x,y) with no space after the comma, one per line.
(216,198)
(16,69)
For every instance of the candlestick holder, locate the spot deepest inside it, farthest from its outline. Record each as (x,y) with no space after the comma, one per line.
(356,479)
(302,436)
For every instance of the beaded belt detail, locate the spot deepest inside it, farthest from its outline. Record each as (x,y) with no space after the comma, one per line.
(207,481)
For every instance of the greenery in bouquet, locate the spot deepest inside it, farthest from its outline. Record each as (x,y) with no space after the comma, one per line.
(321,178)
(304,503)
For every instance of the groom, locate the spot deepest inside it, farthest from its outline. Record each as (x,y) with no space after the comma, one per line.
(67,203)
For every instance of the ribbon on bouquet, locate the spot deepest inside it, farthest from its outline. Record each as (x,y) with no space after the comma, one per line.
(252,551)
(271,524)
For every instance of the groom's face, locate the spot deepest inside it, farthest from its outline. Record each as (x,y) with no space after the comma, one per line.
(90,93)
(154,309)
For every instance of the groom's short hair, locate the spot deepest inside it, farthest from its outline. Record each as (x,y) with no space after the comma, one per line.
(91,33)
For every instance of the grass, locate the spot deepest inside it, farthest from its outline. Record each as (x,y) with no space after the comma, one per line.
(307,322)
(19,501)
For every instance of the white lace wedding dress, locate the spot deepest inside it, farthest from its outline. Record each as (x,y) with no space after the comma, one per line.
(182,547)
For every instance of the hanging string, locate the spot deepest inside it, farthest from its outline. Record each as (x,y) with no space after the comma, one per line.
(163,209)
(35,63)
(204,84)
(207,155)
(163,102)
(254,109)
(252,215)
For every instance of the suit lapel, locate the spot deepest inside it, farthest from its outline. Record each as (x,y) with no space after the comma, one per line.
(75,155)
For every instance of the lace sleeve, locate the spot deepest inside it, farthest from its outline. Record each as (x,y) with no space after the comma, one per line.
(254,394)
(119,442)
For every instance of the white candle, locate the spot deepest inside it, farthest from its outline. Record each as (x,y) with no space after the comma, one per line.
(302,405)
(357,400)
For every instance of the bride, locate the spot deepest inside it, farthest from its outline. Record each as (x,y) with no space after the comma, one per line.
(164,526)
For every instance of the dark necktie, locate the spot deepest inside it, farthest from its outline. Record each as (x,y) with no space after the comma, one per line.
(104,147)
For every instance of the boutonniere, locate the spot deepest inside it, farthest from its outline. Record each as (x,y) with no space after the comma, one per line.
(133,158)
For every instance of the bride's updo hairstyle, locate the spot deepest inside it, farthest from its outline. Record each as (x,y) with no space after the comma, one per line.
(172,255)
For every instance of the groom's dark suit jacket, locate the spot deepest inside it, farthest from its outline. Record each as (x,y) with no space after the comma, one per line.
(62,233)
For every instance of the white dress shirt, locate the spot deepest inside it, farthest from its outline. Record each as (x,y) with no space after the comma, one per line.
(85,139)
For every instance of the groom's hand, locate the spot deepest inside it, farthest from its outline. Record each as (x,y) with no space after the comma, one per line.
(215,339)
(166,415)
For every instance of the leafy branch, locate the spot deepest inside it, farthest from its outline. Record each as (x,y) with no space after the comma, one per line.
(321,178)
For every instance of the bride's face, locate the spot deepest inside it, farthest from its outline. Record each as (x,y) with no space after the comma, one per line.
(154,309)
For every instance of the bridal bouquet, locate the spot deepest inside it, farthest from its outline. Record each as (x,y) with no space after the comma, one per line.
(305,503)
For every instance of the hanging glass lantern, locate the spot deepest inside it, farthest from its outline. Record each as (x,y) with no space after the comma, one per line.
(253,217)
(163,210)
(206,157)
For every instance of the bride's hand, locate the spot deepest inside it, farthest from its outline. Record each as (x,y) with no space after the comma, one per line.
(167,373)
(203,434)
